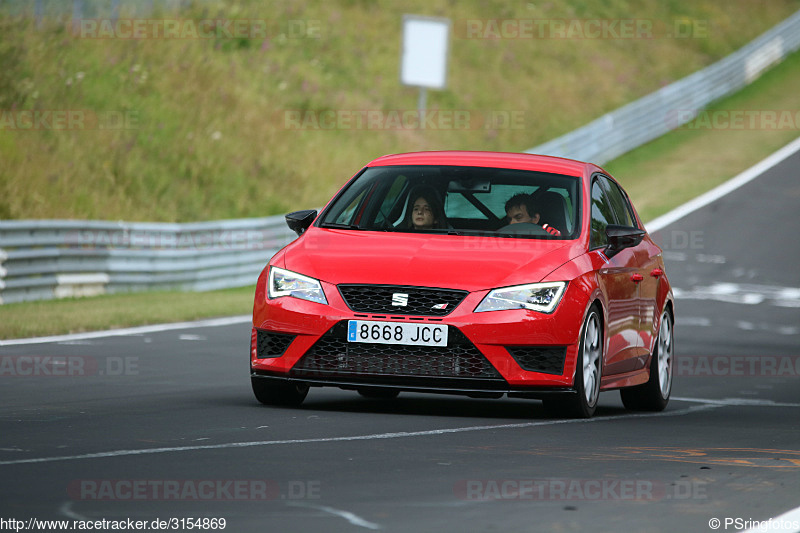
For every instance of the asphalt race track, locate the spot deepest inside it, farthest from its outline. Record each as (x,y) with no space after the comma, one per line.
(163,425)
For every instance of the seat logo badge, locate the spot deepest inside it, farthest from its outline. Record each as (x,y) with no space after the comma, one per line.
(439,306)
(399,299)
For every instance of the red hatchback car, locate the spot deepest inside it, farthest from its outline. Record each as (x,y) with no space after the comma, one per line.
(475,273)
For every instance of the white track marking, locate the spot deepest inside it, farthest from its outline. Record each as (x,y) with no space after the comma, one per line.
(727,402)
(155,328)
(726,188)
(66,510)
(789,517)
(191,337)
(742,294)
(347,515)
(697,321)
(376,436)
(675,256)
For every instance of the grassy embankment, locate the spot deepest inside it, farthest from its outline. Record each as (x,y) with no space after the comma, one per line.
(172,166)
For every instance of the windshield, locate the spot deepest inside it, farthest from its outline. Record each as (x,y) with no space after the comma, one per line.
(458,200)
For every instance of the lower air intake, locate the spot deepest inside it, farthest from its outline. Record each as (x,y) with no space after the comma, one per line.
(333,356)
(544,359)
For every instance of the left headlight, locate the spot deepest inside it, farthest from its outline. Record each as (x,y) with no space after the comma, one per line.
(287,283)
(542,297)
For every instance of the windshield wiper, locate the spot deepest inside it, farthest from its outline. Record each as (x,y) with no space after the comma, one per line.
(442,231)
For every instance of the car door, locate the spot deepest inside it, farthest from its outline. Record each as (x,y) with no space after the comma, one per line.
(651,268)
(646,266)
(617,280)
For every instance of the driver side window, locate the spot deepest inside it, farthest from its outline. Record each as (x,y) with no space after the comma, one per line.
(619,205)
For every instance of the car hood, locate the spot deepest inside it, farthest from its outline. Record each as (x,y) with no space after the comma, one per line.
(448,261)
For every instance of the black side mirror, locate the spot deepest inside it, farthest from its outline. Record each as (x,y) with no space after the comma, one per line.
(299,221)
(621,237)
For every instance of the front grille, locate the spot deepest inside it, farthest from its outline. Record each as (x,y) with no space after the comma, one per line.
(271,344)
(422,301)
(333,356)
(544,359)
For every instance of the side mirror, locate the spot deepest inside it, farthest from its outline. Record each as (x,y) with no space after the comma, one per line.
(621,237)
(299,221)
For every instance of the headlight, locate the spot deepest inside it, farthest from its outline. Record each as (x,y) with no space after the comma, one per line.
(287,283)
(542,297)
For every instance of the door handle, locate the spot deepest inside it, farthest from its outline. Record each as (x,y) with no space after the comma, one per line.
(656,272)
(636,278)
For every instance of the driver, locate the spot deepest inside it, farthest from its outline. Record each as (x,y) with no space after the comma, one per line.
(520,208)
(424,210)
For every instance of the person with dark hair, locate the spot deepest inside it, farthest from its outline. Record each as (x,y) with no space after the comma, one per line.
(424,210)
(520,208)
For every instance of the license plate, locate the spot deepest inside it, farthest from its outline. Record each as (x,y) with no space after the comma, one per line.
(396,333)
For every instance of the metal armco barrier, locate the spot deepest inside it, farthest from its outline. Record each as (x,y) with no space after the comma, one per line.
(676,104)
(45,259)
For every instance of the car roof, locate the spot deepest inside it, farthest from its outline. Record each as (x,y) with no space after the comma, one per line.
(514,160)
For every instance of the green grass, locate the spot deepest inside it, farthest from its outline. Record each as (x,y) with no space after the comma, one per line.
(30,319)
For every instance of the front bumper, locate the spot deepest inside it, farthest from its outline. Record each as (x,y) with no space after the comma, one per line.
(516,352)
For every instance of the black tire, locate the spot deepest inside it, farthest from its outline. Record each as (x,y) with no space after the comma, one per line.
(587,374)
(654,395)
(270,392)
(378,393)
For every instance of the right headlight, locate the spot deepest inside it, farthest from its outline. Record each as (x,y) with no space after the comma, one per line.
(287,283)
(542,297)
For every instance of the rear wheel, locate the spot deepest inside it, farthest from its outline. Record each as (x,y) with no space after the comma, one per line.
(587,374)
(654,395)
(270,392)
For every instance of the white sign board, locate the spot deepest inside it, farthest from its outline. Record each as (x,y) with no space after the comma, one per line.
(425,48)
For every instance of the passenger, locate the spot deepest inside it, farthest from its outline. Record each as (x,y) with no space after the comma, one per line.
(520,208)
(425,210)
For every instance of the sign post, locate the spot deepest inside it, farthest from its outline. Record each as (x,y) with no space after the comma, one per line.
(423,62)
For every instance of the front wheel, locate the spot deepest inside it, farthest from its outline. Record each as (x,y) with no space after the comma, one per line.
(587,374)
(271,392)
(654,395)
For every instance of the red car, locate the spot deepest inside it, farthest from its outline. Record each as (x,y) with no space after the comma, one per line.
(475,273)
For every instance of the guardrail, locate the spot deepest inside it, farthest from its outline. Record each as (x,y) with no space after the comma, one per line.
(45,259)
(676,104)
(78,9)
